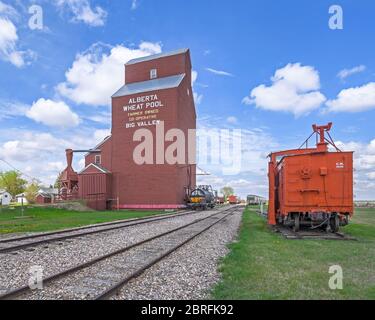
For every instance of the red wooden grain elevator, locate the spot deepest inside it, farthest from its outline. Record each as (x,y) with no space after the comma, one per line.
(311,186)
(157,90)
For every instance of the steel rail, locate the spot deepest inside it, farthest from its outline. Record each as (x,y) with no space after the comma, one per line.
(104,224)
(115,289)
(311,234)
(25,289)
(118,225)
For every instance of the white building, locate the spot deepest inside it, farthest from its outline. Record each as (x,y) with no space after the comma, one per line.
(5,198)
(20,198)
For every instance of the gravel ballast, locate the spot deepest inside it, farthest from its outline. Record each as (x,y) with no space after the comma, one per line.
(58,256)
(191,271)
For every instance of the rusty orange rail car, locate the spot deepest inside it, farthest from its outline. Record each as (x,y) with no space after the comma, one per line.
(233,199)
(311,187)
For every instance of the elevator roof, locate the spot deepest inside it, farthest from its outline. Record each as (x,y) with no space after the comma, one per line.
(150,85)
(156,56)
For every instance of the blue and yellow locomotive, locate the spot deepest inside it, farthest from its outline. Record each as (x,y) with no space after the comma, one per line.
(202,198)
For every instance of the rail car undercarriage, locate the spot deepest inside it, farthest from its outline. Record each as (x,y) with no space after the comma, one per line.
(331,222)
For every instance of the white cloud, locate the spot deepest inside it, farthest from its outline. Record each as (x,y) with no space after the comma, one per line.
(100,117)
(197,97)
(254,144)
(134,4)
(241,186)
(147,48)
(295,89)
(354,99)
(8,44)
(9,39)
(83,12)
(8,35)
(95,76)
(253,176)
(232,120)
(247,184)
(219,72)
(53,113)
(348,72)
(56,166)
(8,10)
(42,155)
(194,77)
(31,146)
(10,109)
(101,134)
(364,166)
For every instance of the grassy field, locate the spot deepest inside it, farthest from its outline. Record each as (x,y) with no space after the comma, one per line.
(263,265)
(47,219)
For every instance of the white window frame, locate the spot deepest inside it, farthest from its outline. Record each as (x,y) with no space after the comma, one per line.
(98,156)
(153,74)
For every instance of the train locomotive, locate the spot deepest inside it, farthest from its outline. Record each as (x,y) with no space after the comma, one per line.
(311,187)
(202,198)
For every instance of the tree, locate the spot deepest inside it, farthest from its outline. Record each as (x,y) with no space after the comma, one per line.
(12,182)
(31,192)
(227,191)
(57,184)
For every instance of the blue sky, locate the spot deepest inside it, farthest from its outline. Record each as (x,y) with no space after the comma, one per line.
(54,90)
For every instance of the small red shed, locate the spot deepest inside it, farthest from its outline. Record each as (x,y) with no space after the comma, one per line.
(43,198)
(95,186)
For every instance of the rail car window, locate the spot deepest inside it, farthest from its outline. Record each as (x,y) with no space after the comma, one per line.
(197,193)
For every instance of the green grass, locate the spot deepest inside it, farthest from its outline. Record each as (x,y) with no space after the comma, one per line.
(48,219)
(263,265)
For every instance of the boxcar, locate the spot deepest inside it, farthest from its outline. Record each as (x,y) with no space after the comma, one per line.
(311,187)
(233,199)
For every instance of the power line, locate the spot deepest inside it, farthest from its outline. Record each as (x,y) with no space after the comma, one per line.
(204,173)
(19,171)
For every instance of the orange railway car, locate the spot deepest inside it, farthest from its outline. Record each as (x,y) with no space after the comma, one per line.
(311,187)
(232,199)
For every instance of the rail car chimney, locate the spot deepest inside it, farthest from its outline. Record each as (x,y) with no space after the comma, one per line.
(322,146)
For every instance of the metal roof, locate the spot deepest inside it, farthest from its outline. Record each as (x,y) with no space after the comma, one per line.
(150,85)
(50,191)
(98,167)
(99,145)
(157,56)
(45,194)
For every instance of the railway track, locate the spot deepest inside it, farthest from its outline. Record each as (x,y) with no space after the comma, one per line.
(24,242)
(317,234)
(104,276)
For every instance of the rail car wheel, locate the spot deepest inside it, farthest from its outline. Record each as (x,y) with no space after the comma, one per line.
(296,223)
(280,219)
(335,223)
